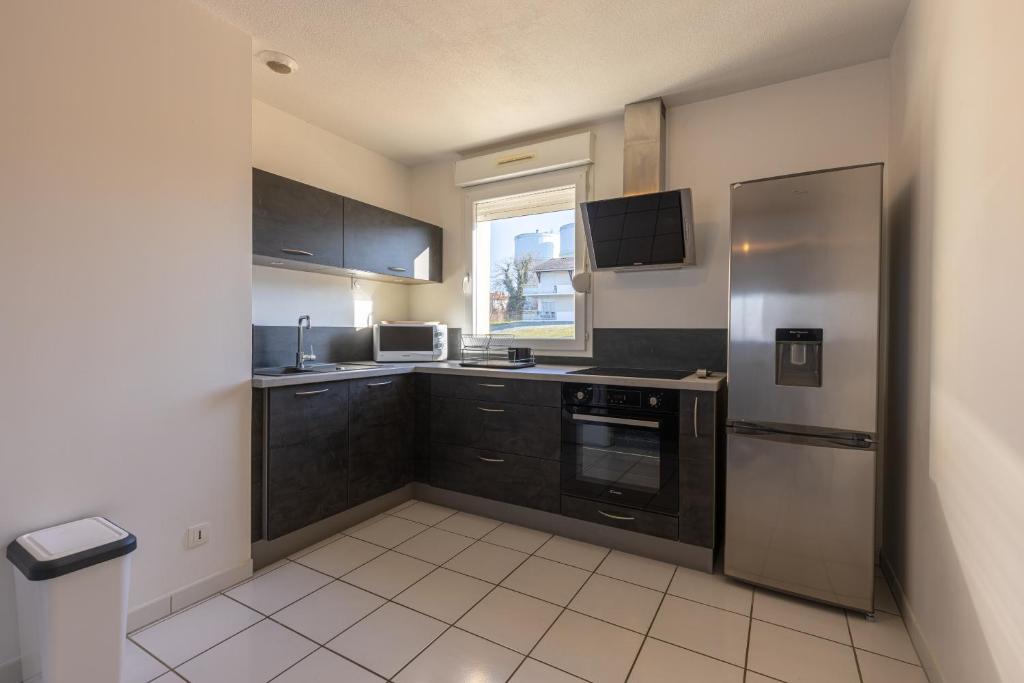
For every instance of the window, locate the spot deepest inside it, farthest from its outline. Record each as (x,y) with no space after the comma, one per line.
(526,245)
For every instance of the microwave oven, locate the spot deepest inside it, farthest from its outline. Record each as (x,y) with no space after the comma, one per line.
(407,341)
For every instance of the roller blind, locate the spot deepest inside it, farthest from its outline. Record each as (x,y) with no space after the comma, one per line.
(526,204)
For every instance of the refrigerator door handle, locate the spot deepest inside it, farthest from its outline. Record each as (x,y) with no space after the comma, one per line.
(796,434)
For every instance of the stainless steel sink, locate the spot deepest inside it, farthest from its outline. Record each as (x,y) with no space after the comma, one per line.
(277,372)
(312,369)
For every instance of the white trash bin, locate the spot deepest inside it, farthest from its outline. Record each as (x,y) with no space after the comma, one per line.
(72,592)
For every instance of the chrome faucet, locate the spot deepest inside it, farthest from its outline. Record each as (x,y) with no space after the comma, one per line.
(300,355)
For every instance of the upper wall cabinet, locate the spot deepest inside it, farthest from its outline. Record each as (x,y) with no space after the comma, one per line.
(301,227)
(382,241)
(294,222)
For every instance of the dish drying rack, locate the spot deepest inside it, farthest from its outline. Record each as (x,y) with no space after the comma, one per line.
(491,350)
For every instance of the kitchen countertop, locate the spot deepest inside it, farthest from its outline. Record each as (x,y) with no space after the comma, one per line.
(548,373)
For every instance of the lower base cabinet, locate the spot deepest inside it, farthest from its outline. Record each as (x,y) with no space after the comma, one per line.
(517,479)
(308,483)
(381,415)
(306,455)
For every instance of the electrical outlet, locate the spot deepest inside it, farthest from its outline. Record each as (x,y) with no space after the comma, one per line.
(197,535)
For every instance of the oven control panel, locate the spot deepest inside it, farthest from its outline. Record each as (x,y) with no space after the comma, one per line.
(634,398)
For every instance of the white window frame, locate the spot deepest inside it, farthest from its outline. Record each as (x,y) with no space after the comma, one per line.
(580,178)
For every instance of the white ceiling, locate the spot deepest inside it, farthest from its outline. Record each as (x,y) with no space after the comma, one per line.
(415,79)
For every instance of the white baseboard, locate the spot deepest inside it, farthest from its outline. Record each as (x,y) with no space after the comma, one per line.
(149,612)
(924,652)
(11,671)
(178,600)
(204,588)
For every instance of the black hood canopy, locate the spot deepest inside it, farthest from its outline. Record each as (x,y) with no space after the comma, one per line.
(641,232)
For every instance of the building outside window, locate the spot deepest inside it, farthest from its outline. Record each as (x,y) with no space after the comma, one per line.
(526,246)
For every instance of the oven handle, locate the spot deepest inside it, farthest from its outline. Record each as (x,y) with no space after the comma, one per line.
(629,422)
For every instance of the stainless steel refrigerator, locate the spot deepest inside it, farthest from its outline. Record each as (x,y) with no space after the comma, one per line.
(804,383)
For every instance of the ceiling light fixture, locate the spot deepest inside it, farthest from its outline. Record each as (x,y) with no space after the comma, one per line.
(278,62)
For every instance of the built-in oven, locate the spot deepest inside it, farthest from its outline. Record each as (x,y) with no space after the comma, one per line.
(621,445)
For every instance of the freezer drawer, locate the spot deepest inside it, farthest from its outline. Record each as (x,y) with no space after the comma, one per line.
(800,518)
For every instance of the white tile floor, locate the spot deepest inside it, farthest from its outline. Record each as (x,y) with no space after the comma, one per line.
(427,594)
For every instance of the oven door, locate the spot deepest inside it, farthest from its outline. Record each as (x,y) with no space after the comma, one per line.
(628,458)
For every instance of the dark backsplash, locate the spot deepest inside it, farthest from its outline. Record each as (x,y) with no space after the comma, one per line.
(684,349)
(274,345)
(656,349)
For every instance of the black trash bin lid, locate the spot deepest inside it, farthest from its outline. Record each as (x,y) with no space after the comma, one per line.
(65,548)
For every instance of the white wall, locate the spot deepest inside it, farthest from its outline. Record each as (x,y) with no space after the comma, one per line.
(832,119)
(955,473)
(124,282)
(288,146)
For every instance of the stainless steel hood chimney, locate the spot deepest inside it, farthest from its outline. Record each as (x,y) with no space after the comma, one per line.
(648,228)
(643,158)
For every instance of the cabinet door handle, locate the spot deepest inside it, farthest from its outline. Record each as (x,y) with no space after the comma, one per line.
(483,459)
(492,386)
(491,410)
(620,518)
(311,393)
(695,404)
(296,252)
(397,269)
(379,384)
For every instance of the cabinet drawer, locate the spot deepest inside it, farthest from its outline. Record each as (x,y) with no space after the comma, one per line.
(650,523)
(516,479)
(301,413)
(504,427)
(529,392)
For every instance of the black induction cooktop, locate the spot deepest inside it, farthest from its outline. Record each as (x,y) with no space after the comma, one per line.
(633,372)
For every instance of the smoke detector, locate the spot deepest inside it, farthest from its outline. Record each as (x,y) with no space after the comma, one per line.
(278,62)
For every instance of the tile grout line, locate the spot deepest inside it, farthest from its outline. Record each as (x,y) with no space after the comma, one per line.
(654,616)
(564,608)
(542,557)
(856,659)
(376,609)
(162,662)
(495,587)
(484,597)
(432,571)
(750,632)
(806,633)
(338,579)
(288,560)
(220,642)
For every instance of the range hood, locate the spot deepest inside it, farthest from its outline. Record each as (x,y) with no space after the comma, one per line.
(648,228)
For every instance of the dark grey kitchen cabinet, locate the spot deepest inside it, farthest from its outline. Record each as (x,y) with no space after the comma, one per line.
(701,469)
(307,430)
(529,430)
(516,479)
(256,465)
(528,392)
(297,223)
(388,243)
(381,416)
(640,521)
(496,438)
(421,463)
